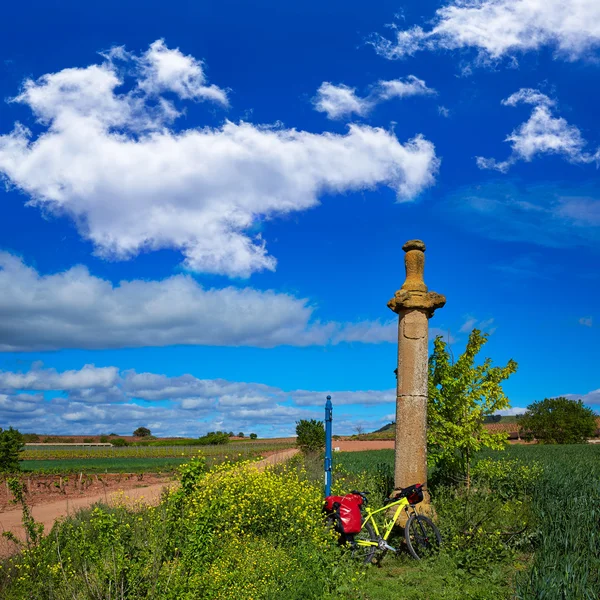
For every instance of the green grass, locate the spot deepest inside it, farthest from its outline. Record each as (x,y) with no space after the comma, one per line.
(564,532)
(357,462)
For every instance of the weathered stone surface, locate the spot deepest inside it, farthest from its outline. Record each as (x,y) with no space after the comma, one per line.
(414,305)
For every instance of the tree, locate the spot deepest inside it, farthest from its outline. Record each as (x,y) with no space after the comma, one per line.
(11,445)
(142,432)
(558,421)
(310,435)
(253,436)
(241,434)
(461,395)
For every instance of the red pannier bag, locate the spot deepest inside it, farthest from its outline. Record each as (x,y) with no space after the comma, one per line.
(347,512)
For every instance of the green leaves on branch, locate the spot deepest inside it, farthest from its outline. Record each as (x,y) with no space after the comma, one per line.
(11,445)
(461,395)
(558,421)
(310,435)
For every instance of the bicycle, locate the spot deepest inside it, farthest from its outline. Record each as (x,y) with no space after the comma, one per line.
(422,537)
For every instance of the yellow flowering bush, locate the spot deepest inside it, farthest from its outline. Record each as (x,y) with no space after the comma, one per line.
(235,532)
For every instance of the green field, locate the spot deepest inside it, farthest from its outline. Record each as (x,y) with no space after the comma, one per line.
(563,560)
(136,459)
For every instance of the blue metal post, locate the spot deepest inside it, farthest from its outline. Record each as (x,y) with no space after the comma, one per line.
(328,456)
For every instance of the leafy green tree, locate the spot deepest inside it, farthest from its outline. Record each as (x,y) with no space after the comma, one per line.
(142,432)
(11,445)
(310,435)
(253,436)
(558,421)
(461,395)
(241,434)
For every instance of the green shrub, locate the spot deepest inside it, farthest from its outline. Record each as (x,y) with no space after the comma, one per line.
(558,421)
(237,532)
(310,435)
(88,440)
(253,436)
(119,442)
(213,438)
(11,445)
(104,439)
(31,438)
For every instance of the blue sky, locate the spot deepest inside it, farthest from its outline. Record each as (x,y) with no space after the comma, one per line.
(205,205)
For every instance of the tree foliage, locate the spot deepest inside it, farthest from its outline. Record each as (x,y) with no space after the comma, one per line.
(310,435)
(142,432)
(11,445)
(558,421)
(461,395)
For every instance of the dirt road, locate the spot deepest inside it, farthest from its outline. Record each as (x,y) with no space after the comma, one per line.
(149,494)
(48,513)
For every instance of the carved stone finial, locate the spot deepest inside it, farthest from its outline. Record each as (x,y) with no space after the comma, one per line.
(414,262)
(414,292)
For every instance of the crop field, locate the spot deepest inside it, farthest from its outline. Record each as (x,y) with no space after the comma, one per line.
(565,513)
(134,459)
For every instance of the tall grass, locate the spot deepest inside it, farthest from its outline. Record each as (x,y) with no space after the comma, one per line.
(564,511)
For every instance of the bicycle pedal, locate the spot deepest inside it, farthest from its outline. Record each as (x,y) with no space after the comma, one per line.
(385,546)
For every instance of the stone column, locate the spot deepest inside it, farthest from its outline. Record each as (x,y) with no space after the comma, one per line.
(414,305)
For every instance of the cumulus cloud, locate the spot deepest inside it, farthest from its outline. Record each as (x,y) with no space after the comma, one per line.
(338,101)
(39,378)
(166,70)
(365,397)
(403,88)
(75,309)
(500,28)
(341,101)
(542,133)
(591,398)
(180,405)
(111,160)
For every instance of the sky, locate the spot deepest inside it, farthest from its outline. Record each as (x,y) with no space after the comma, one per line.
(204,205)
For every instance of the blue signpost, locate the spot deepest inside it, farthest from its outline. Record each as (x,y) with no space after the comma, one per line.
(328,457)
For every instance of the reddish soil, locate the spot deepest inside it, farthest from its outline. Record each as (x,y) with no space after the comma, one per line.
(46,489)
(47,508)
(358,445)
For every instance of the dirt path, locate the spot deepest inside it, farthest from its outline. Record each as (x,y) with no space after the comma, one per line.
(359,445)
(48,513)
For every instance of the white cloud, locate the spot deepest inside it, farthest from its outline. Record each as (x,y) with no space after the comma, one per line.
(542,133)
(110,161)
(162,69)
(180,405)
(340,398)
(338,101)
(341,101)
(402,88)
(443,111)
(49,379)
(500,28)
(586,321)
(510,412)
(74,309)
(591,398)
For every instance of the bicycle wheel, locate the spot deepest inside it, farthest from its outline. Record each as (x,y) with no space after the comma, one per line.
(365,553)
(423,538)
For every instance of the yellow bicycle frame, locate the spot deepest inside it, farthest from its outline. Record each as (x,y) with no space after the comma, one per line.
(388,525)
